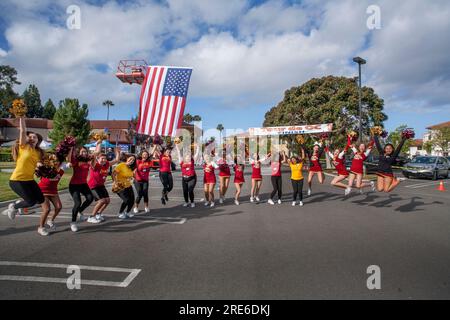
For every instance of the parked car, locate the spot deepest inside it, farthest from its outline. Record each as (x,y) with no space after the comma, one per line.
(427,167)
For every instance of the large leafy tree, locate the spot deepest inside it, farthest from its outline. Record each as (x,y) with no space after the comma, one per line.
(395,137)
(71,119)
(49,110)
(328,99)
(32,99)
(440,138)
(8,78)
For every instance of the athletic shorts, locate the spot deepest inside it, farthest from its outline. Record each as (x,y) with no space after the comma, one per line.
(100,193)
(385,174)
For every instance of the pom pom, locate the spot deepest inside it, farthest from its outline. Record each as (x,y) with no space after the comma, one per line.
(324,136)
(408,133)
(18,108)
(157,140)
(63,148)
(98,135)
(299,138)
(49,169)
(353,136)
(177,140)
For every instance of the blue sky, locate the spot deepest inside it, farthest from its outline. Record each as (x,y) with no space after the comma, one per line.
(244,53)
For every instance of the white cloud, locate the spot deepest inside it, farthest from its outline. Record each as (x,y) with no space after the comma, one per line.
(3,53)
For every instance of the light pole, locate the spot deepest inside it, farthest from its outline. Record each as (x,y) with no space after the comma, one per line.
(359,61)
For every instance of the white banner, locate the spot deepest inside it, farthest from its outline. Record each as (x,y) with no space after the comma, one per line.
(275,131)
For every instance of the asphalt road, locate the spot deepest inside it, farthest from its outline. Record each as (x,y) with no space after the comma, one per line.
(253,251)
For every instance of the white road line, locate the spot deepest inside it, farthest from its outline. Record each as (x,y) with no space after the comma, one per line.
(122,284)
(423,185)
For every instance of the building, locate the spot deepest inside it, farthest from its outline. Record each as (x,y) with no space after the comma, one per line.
(436,151)
(9,128)
(416,148)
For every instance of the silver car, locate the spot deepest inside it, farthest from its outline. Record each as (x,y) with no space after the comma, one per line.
(427,167)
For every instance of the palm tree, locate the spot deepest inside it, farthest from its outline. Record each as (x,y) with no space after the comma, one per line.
(220,128)
(196,118)
(108,103)
(187,118)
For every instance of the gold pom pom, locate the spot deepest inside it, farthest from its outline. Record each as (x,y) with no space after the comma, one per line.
(18,109)
(98,135)
(299,138)
(376,131)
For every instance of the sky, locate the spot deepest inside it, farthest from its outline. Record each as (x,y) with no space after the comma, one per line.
(244,54)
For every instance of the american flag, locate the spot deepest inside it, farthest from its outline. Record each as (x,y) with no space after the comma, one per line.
(163,98)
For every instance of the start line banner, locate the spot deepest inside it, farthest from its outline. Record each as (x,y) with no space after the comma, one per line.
(274,131)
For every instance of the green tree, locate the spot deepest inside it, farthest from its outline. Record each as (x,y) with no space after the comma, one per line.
(396,136)
(220,128)
(328,99)
(440,138)
(8,78)
(49,110)
(32,99)
(71,119)
(108,103)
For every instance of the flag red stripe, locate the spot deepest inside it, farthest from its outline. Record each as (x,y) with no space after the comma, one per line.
(140,100)
(174,112)
(155,101)
(148,101)
(180,118)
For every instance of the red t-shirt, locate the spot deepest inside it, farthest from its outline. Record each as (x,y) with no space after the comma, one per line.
(80,172)
(98,175)
(276,169)
(358,163)
(239,174)
(188,169)
(315,165)
(142,170)
(208,174)
(50,186)
(224,168)
(256,170)
(165,163)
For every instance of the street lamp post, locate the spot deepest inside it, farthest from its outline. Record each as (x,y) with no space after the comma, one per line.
(359,61)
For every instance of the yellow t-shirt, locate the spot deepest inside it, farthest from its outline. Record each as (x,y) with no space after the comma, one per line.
(27,160)
(296,171)
(124,174)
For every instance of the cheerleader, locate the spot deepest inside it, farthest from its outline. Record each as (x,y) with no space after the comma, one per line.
(97,177)
(357,168)
(239,179)
(296,166)
(78,186)
(209,180)
(256,177)
(49,188)
(338,160)
(28,155)
(315,168)
(224,175)
(189,176)
(165,174)
(141,180)
(122,176)
(275,178)
(386,181)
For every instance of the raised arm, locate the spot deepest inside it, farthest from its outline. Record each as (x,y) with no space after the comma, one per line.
(22,132)
(369,147)
(399,148)
(177,148)
(376,139)
(117,158)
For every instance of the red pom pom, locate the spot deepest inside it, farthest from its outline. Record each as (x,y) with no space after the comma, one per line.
(408,133)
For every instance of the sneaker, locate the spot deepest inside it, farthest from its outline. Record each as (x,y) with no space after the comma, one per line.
(236,202)
(185,204)
(252,199)
(136,210)
(212,204)
(147,210)
(347,191)
(309,192)
(192,205)
(301,204)
(20,210)
(51,226)
(270,201)
(73,226)
(163,201)
(166,197)
(361,191)
(257,199)
(129,215)
(122,216)
(279,201)
(372,185)
(43,231)
(10,212)
(401,179)
(93,220)
(221,200)
(83,218)
(100,217)
(294,203)
(206,203)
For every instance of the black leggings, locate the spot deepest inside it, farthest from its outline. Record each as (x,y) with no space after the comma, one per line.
(297,186)
(127,196)
(188,188)
(142,191)
(167,181)
(29,191)
(76,190)
(276,184)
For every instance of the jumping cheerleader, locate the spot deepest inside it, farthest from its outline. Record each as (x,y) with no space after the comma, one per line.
(386,181)
(338,159)
(256,177)
(122,175)
(97,178)
(80,162)
(238,178)
(209,179)
(224,175)
(141,180)
(357,168)
(296,177)
(28,155)
(189,176)
(165,174)
(315,168)
(49,188)
(275,178)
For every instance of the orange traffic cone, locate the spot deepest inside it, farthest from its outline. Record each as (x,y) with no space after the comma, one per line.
(441,186)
